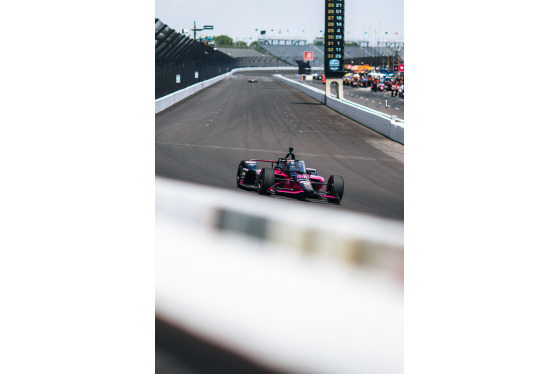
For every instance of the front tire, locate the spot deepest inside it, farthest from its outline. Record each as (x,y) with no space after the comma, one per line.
(266,180)
(238,177)
(335,186)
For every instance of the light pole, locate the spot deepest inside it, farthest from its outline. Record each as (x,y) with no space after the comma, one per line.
(398,59)
(387,51)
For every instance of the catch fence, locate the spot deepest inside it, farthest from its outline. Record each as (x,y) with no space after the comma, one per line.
(182,61)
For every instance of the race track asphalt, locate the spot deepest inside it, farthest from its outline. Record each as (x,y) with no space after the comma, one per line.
(203,138)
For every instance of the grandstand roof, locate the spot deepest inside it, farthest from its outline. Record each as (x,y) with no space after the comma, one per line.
(169,43)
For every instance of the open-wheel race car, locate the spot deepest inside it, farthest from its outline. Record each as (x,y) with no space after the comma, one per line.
(252,80)
(288,176)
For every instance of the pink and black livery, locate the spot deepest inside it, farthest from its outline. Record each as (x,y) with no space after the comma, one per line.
(290,177)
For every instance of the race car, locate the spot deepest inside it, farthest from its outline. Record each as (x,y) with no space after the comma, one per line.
(252,80)
(289,177)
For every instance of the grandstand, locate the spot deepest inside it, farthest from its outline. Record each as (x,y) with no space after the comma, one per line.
(291,53)
(375,56)
(287,53)
(382,56)
(246,57)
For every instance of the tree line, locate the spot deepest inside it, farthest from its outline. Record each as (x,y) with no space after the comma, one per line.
(224,41)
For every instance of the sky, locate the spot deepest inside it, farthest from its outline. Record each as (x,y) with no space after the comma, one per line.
(365,20)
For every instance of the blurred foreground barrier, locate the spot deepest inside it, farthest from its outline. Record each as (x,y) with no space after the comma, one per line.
(255,284)
(380,122)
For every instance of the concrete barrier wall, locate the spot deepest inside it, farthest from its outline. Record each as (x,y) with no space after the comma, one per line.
(267,68)
(377,121)
(369,118)
(165,102)
(308,90)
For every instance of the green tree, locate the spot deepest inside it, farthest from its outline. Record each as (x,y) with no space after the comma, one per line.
(223,41)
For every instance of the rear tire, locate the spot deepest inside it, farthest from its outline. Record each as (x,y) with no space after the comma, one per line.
(266,180)
(335,187)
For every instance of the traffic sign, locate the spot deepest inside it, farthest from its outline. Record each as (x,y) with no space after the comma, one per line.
(401,68)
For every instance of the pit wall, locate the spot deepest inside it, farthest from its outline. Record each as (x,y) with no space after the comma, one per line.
(382,123)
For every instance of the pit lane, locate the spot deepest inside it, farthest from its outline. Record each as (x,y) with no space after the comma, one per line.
(203,138)
(365,96)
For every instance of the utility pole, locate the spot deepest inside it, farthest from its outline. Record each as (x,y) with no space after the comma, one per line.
(393,58)
(206,27)
(195,30)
